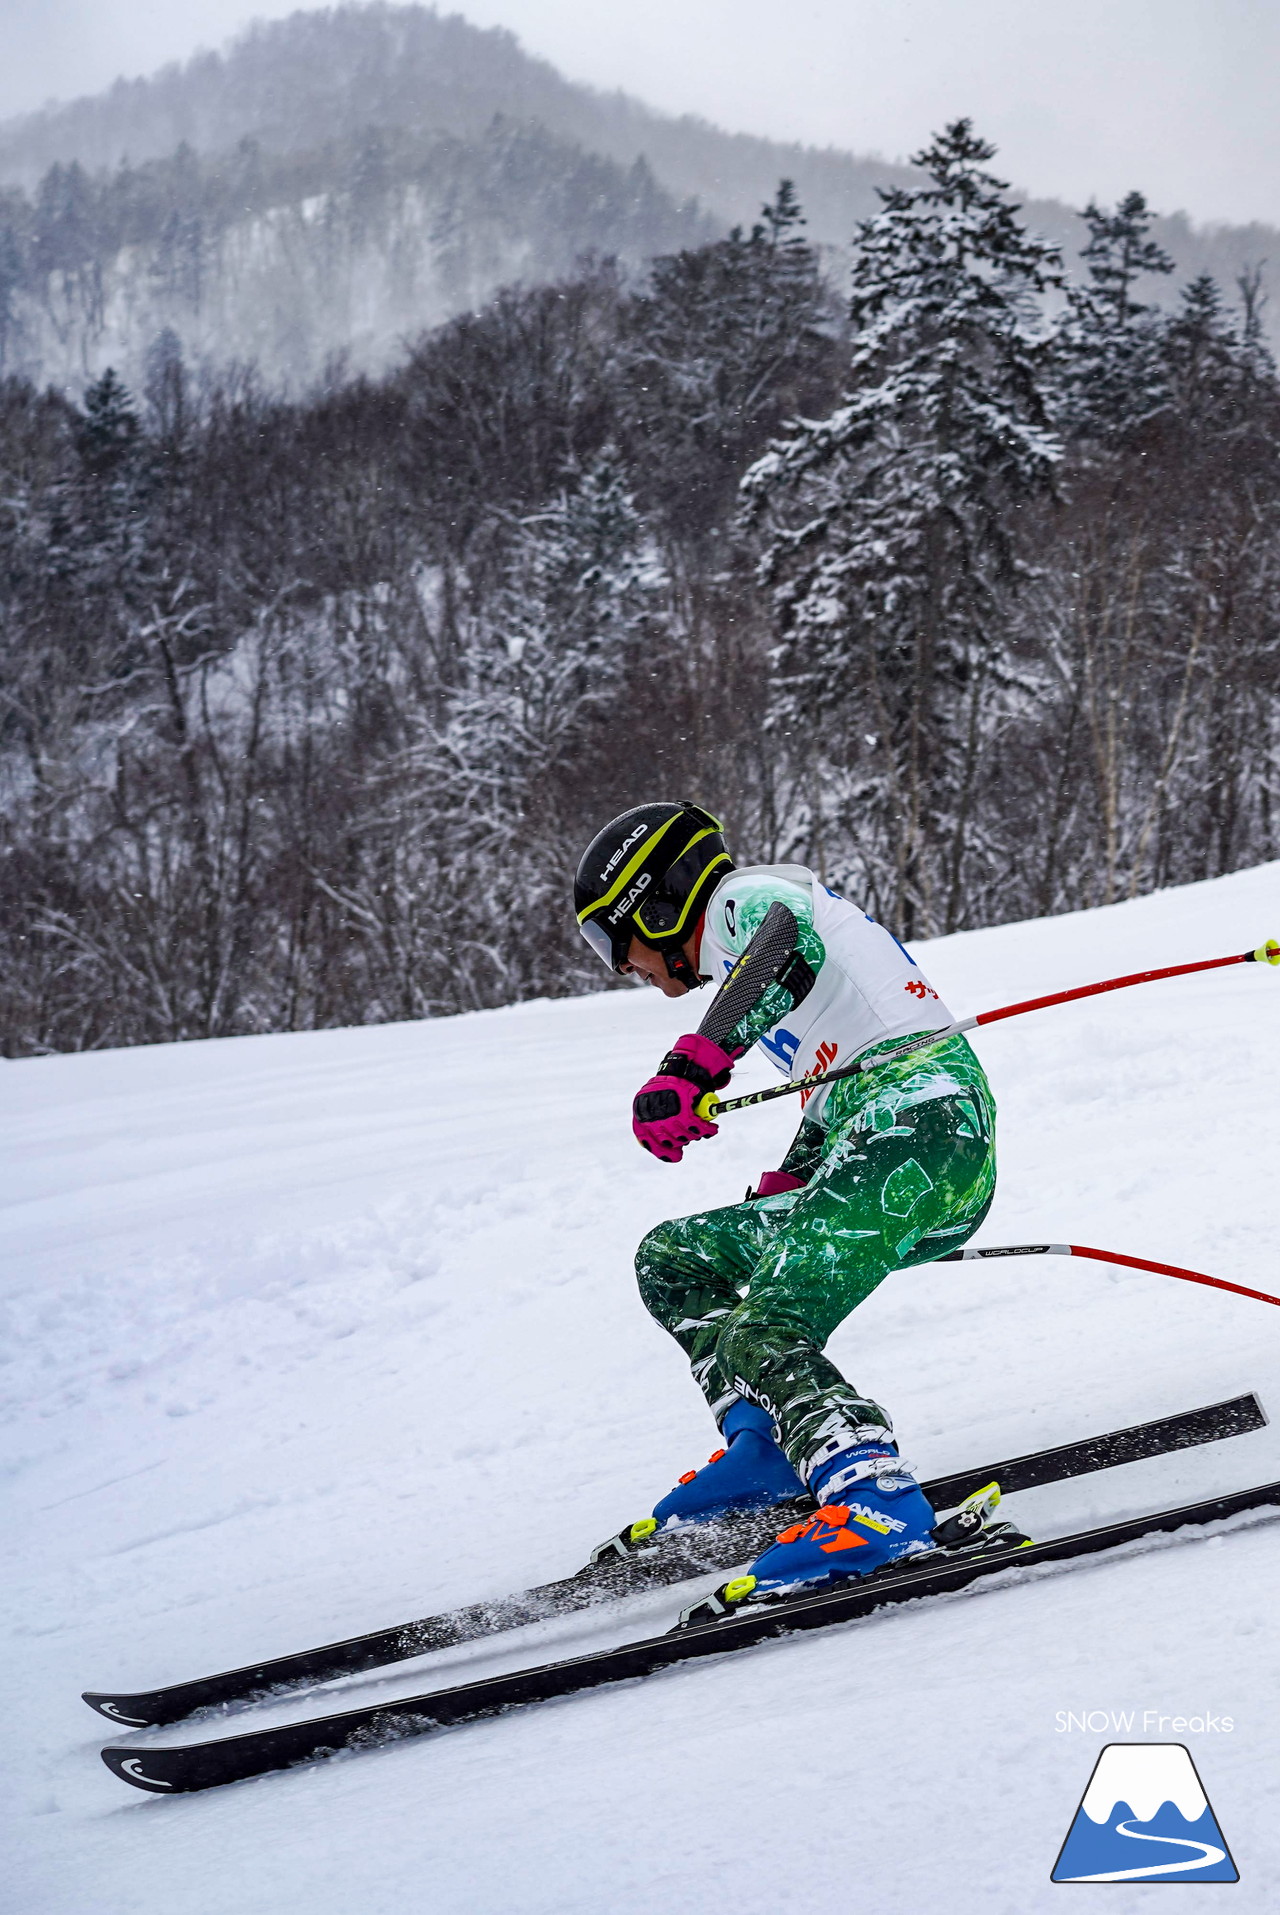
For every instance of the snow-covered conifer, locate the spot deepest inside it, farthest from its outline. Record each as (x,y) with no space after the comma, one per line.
(725,339)
(580,590)
(1111,372)
(491,804)
(110,429)
(889,530)
(1211,362)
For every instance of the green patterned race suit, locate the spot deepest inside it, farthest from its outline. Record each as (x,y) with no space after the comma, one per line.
(900,1167)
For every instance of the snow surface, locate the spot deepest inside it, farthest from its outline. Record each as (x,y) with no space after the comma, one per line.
(304,1335)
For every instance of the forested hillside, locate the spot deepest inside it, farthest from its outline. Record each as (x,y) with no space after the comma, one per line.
(309,263)
(962,588)
(337,181)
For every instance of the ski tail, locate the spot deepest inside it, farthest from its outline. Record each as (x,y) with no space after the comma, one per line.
(620,1568)
(206,1765)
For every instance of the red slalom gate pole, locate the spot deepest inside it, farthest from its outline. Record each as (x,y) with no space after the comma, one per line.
(1104,1256)
(710,1107)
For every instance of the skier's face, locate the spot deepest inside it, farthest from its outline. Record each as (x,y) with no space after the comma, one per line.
(652,967)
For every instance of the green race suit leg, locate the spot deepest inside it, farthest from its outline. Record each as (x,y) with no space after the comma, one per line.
(752,1292)
(693,1273)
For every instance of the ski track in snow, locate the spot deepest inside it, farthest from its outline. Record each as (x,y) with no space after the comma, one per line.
(304,1335)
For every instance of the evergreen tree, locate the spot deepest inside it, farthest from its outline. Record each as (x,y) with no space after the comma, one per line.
(1111,370)
(109,435)
(1120,250)
(724,342)
(1211,364)
(890,529)
(108,508)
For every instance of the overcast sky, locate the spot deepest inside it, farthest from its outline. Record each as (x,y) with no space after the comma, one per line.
(1177,97)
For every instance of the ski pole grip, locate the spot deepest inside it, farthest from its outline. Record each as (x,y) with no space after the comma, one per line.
(707,1107)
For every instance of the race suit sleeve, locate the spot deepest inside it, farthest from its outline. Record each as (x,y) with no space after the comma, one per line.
(756,1005)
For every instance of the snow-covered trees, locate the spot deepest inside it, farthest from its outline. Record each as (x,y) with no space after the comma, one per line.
(307,706)
(723,344)
(891,533)
(1151,623)
(471,827)
(1111,374)
(580,603)
(294,256)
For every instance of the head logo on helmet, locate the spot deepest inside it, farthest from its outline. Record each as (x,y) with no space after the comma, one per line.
(649,875)
(622,909)
(622,851)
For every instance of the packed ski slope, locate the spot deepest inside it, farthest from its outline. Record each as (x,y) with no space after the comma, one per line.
(307,1334)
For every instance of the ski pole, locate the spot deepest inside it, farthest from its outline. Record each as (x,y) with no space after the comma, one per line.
(1105,1256)
(710,1107)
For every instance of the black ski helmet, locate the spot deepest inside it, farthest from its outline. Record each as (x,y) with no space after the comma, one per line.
(649,874)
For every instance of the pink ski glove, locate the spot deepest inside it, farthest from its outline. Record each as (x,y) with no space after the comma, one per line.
(663,1115)
(773,1182)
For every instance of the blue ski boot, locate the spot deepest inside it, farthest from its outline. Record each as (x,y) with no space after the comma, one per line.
(871,1511)
(750,1472)
(832,1545)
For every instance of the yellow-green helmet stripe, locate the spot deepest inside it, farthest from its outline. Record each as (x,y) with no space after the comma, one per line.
(629,869)
(721,857)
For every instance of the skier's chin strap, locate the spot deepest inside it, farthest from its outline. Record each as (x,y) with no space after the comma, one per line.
(679,967)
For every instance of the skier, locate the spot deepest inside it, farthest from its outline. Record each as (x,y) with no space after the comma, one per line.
(887,1169)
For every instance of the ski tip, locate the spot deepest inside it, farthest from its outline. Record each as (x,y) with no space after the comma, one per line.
(125,1709)
(138,1769)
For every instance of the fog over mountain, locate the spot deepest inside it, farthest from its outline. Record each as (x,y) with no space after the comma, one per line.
(337,181)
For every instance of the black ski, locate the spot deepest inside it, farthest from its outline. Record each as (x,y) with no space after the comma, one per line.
(618,1568)
(207,1765)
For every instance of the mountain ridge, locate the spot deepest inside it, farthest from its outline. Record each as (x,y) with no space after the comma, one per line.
(279,80)
(320,74)
(414,110)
